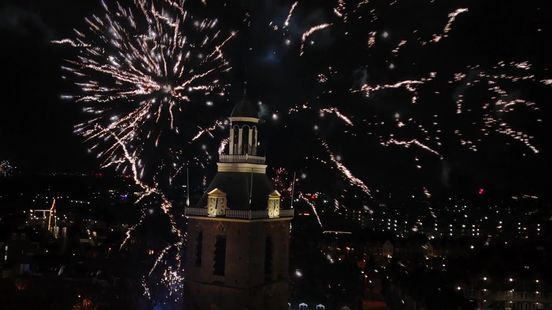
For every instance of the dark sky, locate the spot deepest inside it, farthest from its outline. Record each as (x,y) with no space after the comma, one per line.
(36,127)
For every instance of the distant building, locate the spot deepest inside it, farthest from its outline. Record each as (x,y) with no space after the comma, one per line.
(238,236)
(511,294)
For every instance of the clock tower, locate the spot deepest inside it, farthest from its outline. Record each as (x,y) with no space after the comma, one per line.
(237,253)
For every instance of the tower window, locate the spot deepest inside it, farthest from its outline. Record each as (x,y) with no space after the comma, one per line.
(268,258)
(245,139)
(199,249)
(220,256)
(236,134)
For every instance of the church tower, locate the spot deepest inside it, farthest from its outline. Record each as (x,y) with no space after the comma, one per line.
(238,236)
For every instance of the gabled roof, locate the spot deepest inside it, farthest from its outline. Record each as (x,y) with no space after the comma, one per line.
(217,193)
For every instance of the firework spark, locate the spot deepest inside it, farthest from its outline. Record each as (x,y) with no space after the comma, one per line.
(408,144)
(313,207)
(139,68)
(448,27)
(409,85)
(345,171)
(340,115)
(308,33)
(288,18)
(423,129)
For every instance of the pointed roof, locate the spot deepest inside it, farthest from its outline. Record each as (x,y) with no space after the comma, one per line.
(216,193)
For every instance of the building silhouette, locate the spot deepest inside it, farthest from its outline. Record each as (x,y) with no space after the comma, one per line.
(238,235)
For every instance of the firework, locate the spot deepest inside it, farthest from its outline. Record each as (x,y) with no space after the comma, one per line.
(140,70)
(469,123)
(288,18)
(448,27)
(139,67)
(6,168)
(309,32)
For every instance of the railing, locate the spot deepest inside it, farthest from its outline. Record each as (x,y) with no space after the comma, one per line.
(287,213)
(195,211)
(242,159)
(238,214)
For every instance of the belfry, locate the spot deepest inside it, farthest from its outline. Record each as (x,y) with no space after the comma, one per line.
(238,236)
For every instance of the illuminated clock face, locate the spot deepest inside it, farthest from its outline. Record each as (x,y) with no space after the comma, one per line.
(220,205)
(273,208)
(212,207)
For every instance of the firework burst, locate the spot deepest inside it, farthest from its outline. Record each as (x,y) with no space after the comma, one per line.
(142,72)
(397,99)
(139,67)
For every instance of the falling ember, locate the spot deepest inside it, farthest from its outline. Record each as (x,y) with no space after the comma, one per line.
(340,10)
(201,132)
(288,18)
(222,146)
(372,39)
(396,50)
(448,27)
(338,114)
(410,85)
(309,32)
(408,144)
(313,207)
(346,172)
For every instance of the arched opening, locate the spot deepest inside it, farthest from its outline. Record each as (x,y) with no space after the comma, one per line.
(254,141)
(246,140)
(234,144)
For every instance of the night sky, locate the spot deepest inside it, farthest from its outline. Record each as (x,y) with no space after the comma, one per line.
(36,125)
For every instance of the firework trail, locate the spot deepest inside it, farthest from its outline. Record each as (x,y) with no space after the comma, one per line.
(309,32)
(410,85)
(407,144)
(448,27)
(139,67)
(313,208)
(423,129)
(288,18)
(346,173)
(340,115)
(141,71)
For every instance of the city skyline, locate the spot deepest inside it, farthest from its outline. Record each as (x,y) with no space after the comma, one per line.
(391,140)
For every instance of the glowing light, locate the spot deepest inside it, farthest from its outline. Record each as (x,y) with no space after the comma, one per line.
(309,32)
(138,68)
(288,18)
(448,27)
